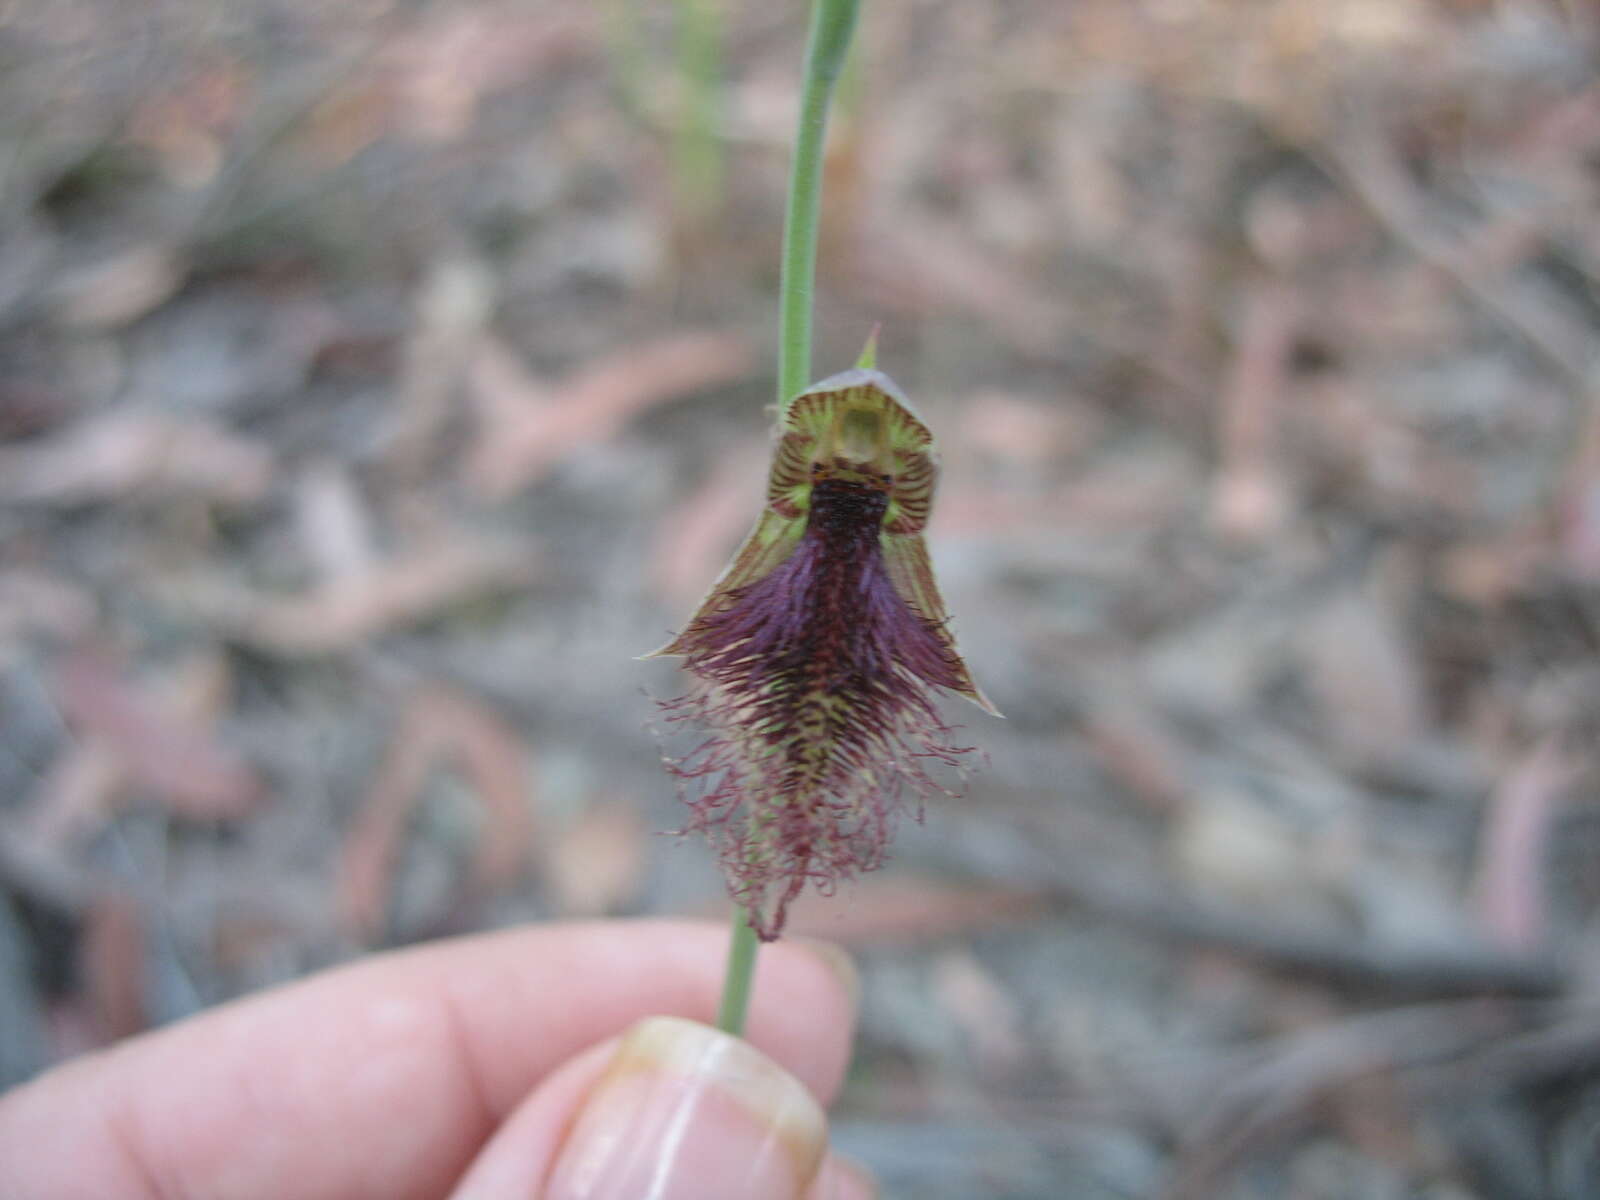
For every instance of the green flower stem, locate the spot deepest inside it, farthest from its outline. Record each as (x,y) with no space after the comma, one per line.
(736,983)
(832,24)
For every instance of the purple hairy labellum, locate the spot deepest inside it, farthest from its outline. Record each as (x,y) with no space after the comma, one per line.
(817,654)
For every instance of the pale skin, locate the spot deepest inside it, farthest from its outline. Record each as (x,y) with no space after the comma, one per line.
(408,1073)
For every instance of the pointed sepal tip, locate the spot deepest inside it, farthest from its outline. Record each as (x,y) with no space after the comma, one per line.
(869,353)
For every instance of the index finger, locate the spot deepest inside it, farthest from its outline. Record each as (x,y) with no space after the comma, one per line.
(383,1078)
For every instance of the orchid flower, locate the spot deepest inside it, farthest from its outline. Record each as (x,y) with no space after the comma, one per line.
(818,652)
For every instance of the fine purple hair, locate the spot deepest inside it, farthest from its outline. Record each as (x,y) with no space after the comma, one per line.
(813,684)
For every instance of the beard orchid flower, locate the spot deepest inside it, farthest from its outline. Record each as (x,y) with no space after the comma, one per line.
(817,655)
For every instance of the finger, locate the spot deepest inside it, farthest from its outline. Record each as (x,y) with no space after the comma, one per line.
(841,1179)
(673,1110)
(383,1078)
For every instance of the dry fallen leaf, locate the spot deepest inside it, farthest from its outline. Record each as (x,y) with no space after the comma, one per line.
(917,264)
(1139,750)
(125,453)
(1026,431)
(504,392)
(1579,515)
(453,306)
(978,1003)
(345,612)
(427,82)
(520,436)
(440,727)
(112,958)
(120,289)
(1485,571)
(1509,889)
(333,522)
(154,744)
(440,71)
(1250,500)
(79,791)
(188,120)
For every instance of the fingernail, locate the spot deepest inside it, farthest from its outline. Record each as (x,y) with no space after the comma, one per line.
(685,1111)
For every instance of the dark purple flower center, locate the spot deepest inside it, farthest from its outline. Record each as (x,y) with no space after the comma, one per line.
(820,703)
(822,646)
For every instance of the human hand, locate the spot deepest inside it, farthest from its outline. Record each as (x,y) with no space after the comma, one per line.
(539,1062)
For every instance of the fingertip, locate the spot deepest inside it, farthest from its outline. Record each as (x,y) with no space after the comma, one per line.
(673,1110)
(516,1160)
(803,1011)
(843,1179)
(838,960)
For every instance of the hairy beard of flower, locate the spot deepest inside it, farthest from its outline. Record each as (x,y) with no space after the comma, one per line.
(814,682)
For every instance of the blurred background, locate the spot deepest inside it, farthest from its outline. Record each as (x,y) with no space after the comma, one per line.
(378,379)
